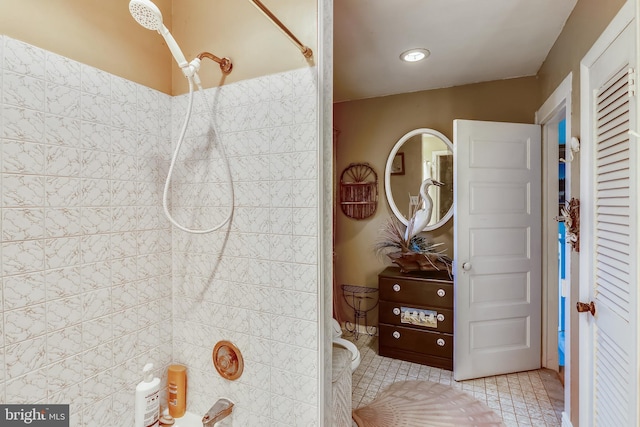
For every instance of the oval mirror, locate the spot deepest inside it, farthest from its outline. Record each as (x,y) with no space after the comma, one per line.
(419,155)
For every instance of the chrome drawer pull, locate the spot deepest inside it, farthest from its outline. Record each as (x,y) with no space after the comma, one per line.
(441,292)
(440,317)
(396,287)
(440,342)
(396,311)
(396,334)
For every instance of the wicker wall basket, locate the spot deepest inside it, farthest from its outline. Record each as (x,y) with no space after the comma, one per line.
(359,191)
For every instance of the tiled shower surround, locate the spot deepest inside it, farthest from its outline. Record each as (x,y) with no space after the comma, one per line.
(96,283)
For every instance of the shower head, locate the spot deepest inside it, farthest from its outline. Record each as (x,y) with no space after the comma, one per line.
(149,16)
(146,14)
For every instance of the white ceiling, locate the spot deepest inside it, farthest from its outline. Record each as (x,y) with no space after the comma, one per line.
(470,41)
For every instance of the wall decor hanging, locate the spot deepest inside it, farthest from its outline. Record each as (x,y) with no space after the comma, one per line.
(359,191)
(571,214)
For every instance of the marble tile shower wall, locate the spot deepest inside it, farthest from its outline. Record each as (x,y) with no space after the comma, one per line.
(255,282)
(85,251)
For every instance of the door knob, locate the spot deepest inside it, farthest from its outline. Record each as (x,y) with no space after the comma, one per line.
(466,266)
(583,307)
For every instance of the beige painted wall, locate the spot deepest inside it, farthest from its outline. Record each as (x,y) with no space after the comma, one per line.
(582,29)
(368,130)
(103,34)
(587,21)
(95,32)
(238,30)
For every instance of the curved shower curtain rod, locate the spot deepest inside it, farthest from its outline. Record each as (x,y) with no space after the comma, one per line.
(306,51)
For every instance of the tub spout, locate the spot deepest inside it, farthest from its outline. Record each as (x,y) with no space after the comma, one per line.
(219,411)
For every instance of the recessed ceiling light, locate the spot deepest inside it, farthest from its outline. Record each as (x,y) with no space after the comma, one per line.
(414,55)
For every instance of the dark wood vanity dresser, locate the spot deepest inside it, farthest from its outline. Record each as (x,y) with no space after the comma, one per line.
(416,316)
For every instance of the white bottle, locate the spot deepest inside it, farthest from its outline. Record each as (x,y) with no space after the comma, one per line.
(148,399)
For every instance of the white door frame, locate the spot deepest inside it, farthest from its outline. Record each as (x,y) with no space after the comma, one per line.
(557,105)
(587,165)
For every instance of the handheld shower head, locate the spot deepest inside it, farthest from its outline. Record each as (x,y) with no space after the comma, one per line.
(149,16)
(146,14)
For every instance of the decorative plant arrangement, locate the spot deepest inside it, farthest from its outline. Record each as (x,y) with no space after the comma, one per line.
(410,251)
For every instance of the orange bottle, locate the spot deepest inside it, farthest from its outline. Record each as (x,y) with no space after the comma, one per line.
(177,385)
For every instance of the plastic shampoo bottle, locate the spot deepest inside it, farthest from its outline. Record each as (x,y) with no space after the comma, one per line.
(148,399)
(177,385)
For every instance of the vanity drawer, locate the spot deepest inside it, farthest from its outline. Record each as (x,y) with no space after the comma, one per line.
(417,341)
(433,292)
(426,318)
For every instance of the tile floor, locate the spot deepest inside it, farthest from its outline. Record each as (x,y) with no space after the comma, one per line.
(533,398)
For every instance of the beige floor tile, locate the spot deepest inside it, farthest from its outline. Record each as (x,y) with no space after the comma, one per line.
(533,398)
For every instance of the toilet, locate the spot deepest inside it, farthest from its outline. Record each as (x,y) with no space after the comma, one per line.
(338,340)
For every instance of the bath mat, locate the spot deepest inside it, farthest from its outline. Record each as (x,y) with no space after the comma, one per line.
(425,404)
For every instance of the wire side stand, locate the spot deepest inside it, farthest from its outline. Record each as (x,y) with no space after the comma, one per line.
(358,297)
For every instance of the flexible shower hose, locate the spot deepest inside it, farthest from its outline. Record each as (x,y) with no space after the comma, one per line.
(167,183)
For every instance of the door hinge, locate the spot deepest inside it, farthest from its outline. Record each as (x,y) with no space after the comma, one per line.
(631,73)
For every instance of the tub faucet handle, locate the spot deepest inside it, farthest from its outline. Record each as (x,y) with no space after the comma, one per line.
(220,410)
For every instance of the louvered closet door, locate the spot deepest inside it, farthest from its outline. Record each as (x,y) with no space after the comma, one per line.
(612,287)
(609,253)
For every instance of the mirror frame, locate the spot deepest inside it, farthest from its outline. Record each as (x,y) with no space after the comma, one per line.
(387,176)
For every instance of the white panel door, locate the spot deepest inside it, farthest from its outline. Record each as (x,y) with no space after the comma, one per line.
(609,230)
(497,236)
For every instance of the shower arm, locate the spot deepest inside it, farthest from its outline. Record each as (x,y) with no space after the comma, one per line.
(225,63)
(306,51)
